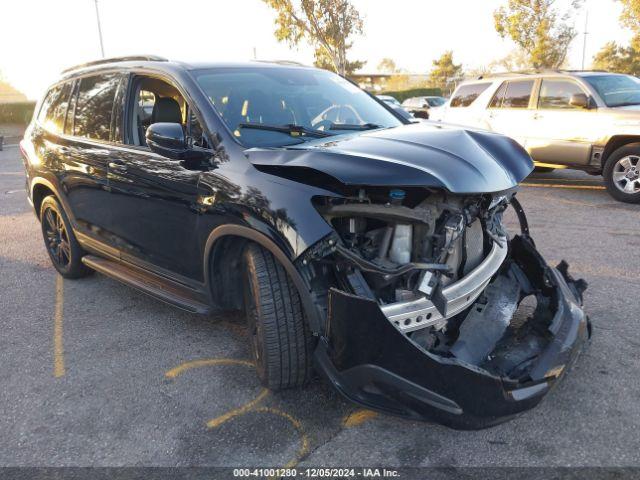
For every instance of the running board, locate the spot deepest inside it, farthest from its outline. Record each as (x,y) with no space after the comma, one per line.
(150,283)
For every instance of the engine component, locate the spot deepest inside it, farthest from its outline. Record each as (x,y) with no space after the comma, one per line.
(473,246)
(488,320)
(401,247)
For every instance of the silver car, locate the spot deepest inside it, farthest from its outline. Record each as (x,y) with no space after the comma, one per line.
(586,120)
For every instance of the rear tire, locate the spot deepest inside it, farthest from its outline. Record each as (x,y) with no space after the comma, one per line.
(62,246)
(622,174)
(281,343)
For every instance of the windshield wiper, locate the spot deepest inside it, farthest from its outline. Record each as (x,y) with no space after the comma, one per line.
(354,126)
(290,128)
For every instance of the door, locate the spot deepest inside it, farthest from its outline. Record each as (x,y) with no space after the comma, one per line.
(86,150)
(154,200)
(509,113)
(560,132)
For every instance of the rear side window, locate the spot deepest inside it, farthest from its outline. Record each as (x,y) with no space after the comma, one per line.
(557,94)
(54,108)
(94,106)
(513,95)
(467,94)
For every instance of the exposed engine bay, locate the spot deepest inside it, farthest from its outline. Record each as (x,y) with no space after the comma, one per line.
(438,266)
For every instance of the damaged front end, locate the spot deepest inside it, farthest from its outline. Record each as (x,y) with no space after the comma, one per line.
(433,312)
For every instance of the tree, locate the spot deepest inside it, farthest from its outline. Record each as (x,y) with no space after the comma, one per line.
(326,24)
(322,60)
(444,72)
(537,28)
(630,16)
(387,65)
(617,58)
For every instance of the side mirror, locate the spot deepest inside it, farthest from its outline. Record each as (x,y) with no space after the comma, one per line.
(168,140)
(579,100)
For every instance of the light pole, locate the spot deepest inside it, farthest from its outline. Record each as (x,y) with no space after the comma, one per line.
(99,27)
(584,43)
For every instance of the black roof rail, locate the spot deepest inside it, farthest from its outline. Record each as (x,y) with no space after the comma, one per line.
(129,58)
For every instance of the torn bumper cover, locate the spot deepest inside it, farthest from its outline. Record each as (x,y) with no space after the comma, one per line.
(371,362)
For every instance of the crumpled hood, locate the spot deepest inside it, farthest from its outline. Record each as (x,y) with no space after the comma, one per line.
(458,159)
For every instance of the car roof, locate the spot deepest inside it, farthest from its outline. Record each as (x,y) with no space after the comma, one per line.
(162,63)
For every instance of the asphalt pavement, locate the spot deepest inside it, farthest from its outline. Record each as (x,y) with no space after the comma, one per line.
(94,373)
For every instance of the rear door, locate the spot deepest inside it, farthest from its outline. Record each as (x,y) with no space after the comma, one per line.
(86,151)
(509,111)
(466,106)
(560,132)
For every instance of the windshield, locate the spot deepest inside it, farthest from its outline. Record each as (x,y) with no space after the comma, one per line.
(616,90)
(276,96)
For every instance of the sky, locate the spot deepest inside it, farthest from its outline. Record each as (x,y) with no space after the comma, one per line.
(39,38)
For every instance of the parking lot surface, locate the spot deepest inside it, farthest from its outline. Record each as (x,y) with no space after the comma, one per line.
(97,374)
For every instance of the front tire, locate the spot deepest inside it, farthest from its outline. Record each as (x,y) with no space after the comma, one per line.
(622,174)
(281,343)
(62,246)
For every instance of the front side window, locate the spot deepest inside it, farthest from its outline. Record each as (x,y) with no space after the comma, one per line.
(467,94)
(616,90)
(556,94)
(309,99)
(94,106)
(54,108)
(155,100)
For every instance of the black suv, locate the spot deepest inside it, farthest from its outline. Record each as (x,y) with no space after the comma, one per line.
(357,243)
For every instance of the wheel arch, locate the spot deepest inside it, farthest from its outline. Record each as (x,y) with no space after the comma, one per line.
(222,262)
(616,142)
(41,188)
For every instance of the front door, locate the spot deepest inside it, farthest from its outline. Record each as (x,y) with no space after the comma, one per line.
(154,200)
(561,133)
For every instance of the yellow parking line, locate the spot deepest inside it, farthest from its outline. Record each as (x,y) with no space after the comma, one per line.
(216,422)
(58,347)
(358,417)
(174,372)
(556,185)
(297,424)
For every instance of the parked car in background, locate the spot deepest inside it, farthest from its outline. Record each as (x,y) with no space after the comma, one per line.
(420,107)
(396,106)
(388,99)
(586,120)
(354,241)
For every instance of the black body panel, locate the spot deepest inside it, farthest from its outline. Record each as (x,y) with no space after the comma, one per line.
(456,159)
(372,363)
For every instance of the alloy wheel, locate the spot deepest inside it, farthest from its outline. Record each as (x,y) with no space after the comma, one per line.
(57,238)
(626,174)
